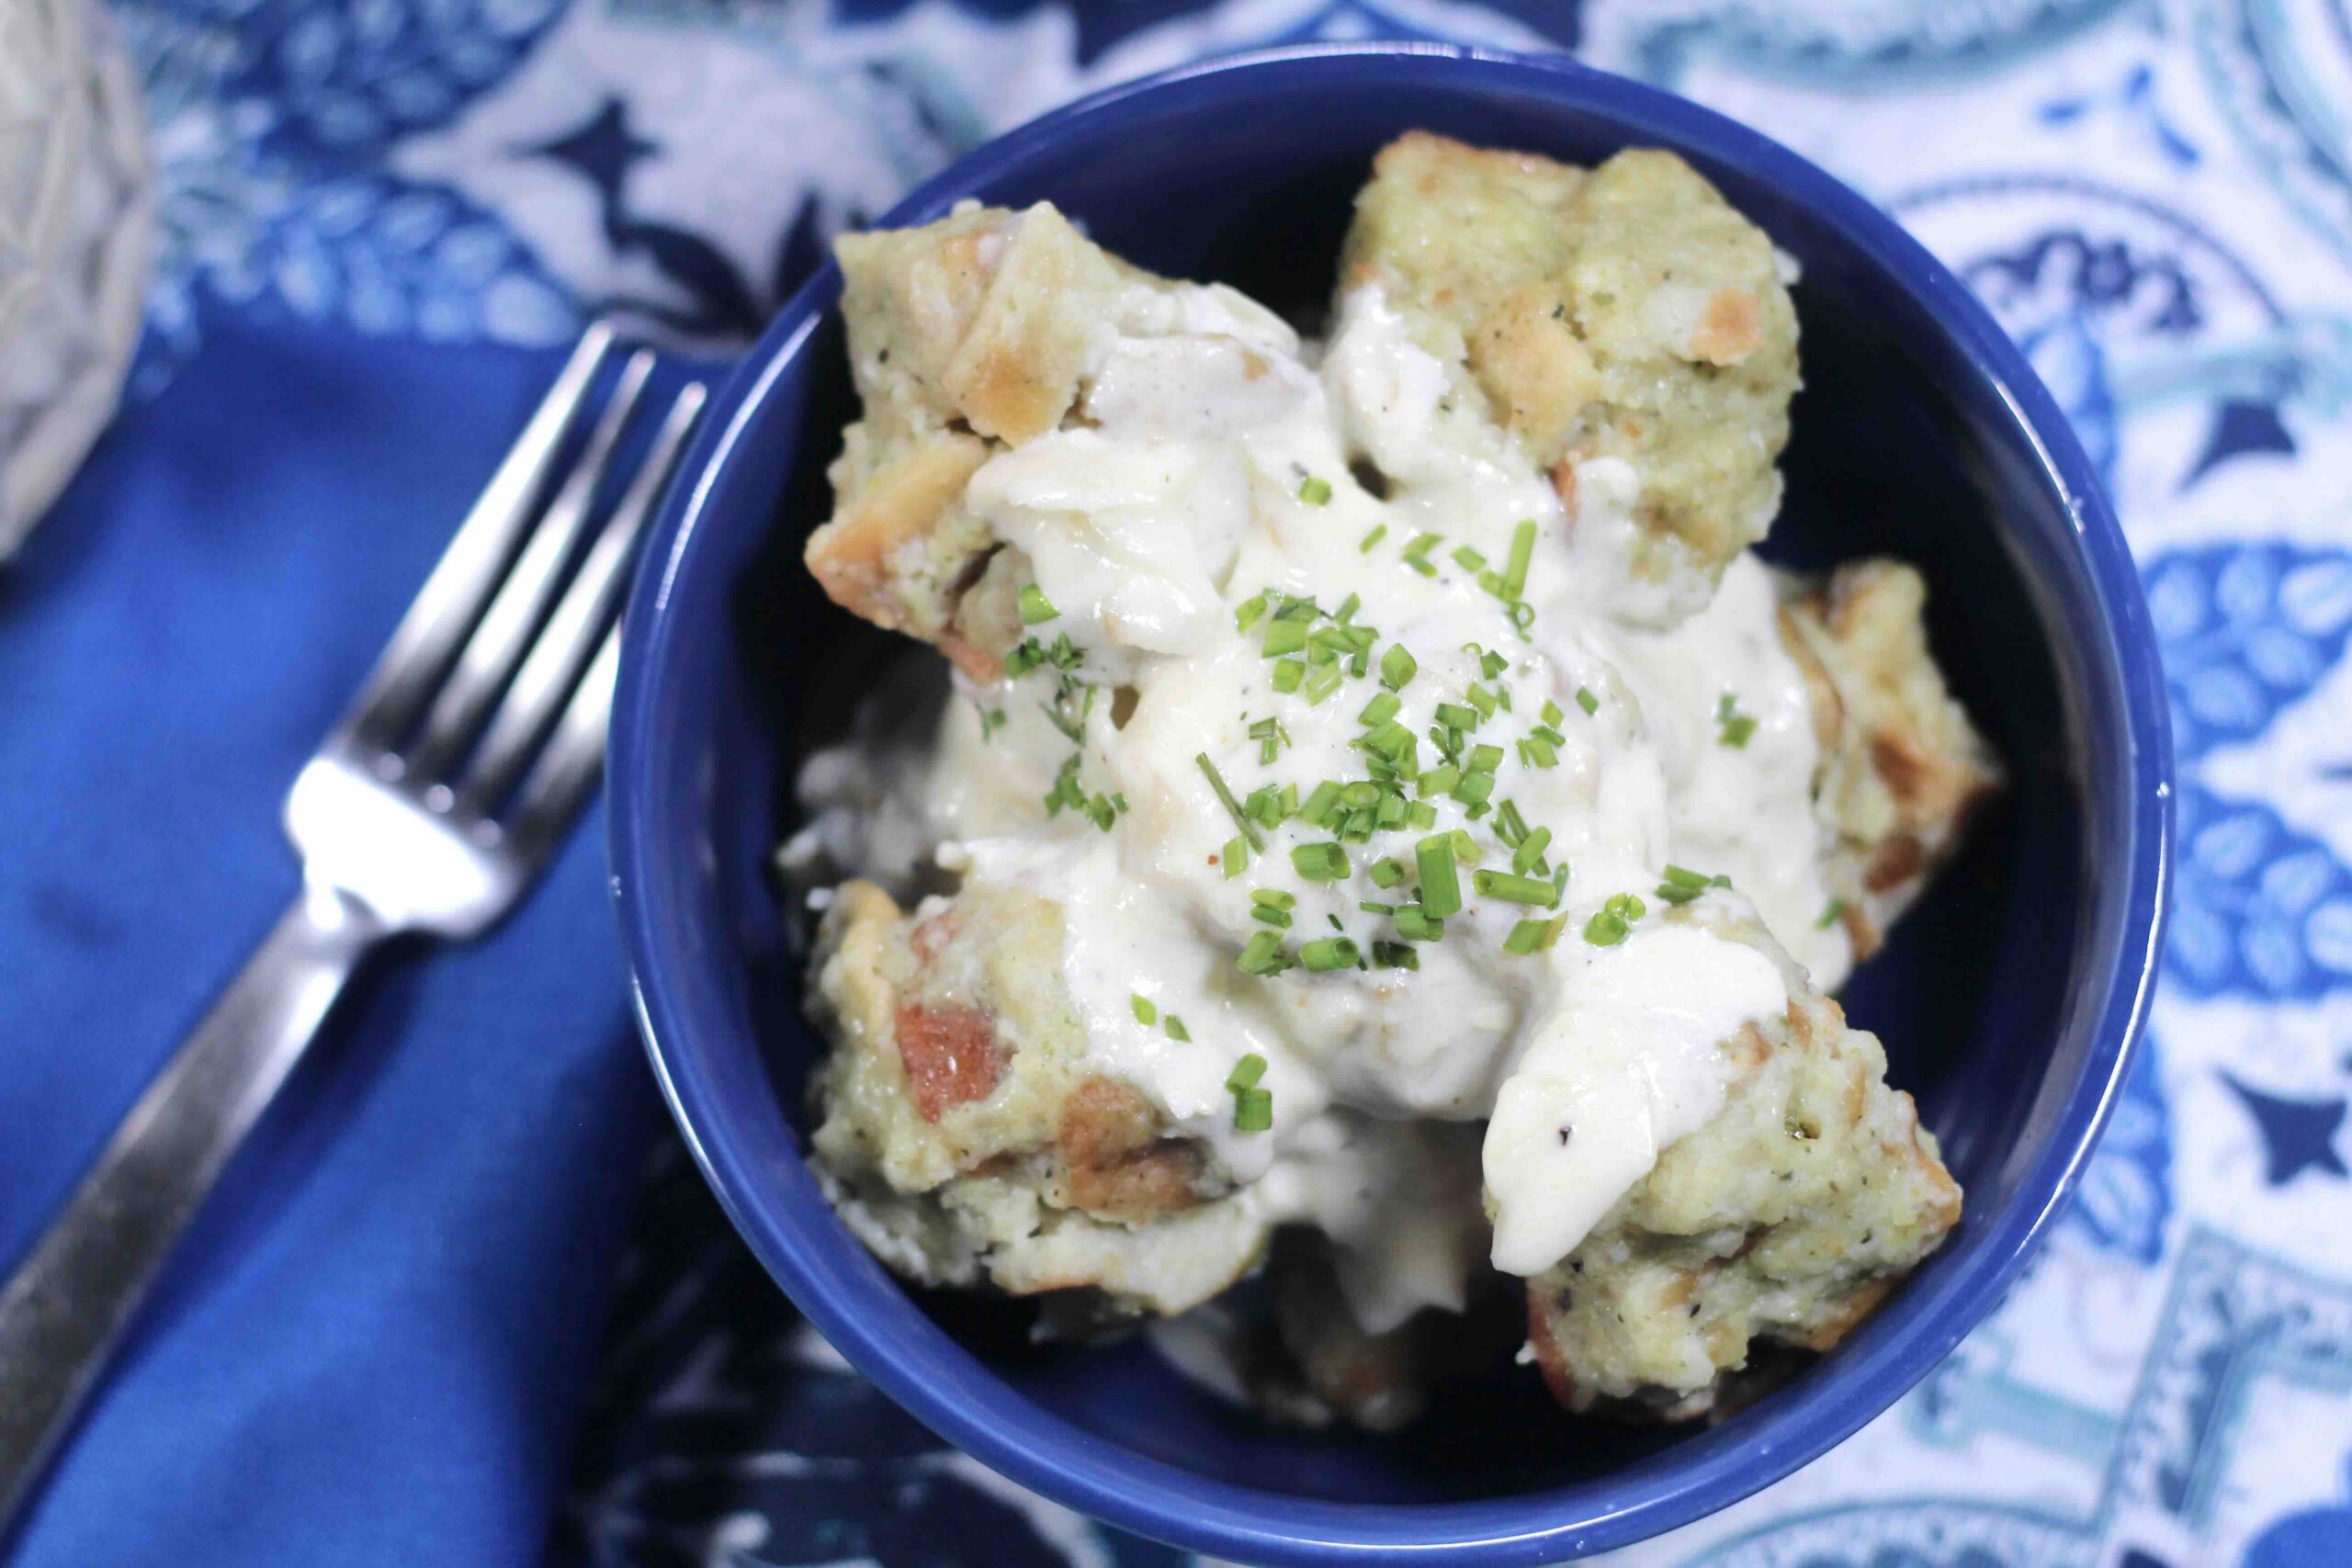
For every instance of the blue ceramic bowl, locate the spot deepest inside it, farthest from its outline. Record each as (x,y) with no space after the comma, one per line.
(2009,1001)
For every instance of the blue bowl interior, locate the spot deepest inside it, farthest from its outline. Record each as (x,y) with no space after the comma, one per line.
(2005,1000)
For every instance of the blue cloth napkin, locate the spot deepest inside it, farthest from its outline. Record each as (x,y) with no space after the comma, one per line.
(380,221)
(371,1348)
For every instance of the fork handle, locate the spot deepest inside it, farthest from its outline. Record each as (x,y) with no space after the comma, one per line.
(64,1310)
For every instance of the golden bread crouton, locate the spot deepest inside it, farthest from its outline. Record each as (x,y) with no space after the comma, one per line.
(1785,1219)
(1901,765)
(959,1120)
(1628,312)
(967,337)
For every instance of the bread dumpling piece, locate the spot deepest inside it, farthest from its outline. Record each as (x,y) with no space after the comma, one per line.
(1902,768)
(1626,311)
(968,337)
(1784,1220)
(961,1137)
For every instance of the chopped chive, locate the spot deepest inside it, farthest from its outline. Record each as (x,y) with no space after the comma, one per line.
(1320,683)
(1372,538)
(1530,852)
(1253,1109)
(1320,803)
(1734,727)
(1482,699)
(1522,615)
(1512,887)
(1491,665)
(1145,1012)
(1440,888)
(1438,781)
(1246,1071)
(1397,667)
(1348,608)
(1288,673)
(1174,1029)
(1036,608)
(1415,923)
(1269,915)
(1423,815)
(1380,710)
(1468,558)
(1551,713)
(991,720)
(1263,956)
(1331,952)
(1394,955)
(1474,788)
(1483,759)
(1830,913)
(1537,752)
(1416,552)
(1548,735)
(1453,716)
(1509,823)
(1234,857)
(1604,930)
(1522,551)
(1387,872)
(1283,637)
(1319,863)
(1246,613)
(1225,798)
(1274,898)
(1314,492)
(1534,936)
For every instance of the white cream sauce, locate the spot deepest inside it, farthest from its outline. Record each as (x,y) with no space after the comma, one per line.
(1630,1061)
(1178,499)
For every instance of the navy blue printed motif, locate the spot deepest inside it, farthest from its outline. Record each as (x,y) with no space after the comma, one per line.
(2298,1134)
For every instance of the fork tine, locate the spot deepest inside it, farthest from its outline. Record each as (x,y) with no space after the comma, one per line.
(422,644)
(568,768)
(579,616)
(490,655)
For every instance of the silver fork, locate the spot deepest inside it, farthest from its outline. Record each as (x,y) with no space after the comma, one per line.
(428,809)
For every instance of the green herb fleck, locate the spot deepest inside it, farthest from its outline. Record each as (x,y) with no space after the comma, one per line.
(1225,798)
(1036,608)
(1331,952)
(1263,956)
(1441,887)
(1732,726)
(1319,863)
(1397,666)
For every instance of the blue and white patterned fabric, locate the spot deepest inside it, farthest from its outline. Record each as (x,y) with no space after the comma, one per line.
(2155,196)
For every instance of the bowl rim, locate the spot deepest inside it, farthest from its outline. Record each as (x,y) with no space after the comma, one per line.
(1040,1449)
